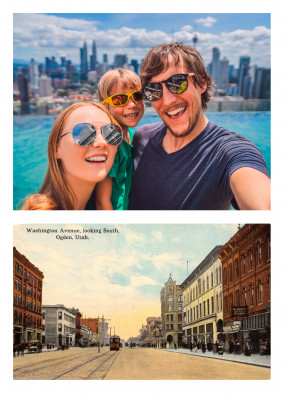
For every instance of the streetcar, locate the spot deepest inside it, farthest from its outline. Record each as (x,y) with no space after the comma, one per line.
(114,343)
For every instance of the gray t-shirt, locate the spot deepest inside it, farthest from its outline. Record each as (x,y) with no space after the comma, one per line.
(196,177)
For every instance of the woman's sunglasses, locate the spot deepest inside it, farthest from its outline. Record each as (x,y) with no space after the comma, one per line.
(176,84)
(85,134)
(122,99)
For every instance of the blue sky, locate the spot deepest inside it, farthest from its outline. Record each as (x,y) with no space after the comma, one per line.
(40,35)
(120,274)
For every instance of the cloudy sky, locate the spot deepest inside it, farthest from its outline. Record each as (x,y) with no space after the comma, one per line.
(40,35)
(120,274)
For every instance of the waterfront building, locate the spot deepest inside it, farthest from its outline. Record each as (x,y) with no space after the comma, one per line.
(93,57)
(135,65)
(120,60)
(84,61)
(24,92)
(34,76)
(105,58)
(215,72)
(243,71)
(262,88)
(223,74)
(27,295)
(203,301)
(45,86)
(246,287)
(171,297)
(59,325)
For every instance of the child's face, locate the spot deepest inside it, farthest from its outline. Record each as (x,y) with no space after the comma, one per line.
(127,116)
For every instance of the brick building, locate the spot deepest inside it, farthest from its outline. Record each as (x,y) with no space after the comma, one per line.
(246,287)
(27,295)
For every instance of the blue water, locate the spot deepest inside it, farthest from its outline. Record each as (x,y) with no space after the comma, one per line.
(31,135)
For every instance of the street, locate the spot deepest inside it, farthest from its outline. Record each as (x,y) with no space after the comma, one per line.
(129,364)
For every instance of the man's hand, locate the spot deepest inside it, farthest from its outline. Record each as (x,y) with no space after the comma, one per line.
(251,189)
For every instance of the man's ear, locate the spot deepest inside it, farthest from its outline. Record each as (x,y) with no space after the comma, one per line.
(203,85)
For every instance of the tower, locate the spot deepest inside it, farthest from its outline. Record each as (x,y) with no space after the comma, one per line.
(84,61)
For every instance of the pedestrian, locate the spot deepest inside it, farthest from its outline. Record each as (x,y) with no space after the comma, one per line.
(186,162)
(203,347)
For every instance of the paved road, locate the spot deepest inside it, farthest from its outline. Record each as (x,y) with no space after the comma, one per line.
(143,363)
(133,364)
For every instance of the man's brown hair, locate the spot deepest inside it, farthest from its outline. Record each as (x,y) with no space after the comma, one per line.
(157,61)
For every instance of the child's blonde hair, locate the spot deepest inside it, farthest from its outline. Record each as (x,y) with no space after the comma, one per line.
(127,78)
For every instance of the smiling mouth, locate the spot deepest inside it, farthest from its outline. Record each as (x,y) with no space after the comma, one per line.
(178,112)
(97,159)
(131,116)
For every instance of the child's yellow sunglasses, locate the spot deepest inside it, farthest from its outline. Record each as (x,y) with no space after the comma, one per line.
(121,99)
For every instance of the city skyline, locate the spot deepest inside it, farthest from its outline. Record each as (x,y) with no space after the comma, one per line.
(133,270)
(37,35)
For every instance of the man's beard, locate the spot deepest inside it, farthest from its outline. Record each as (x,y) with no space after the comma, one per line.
(190,127)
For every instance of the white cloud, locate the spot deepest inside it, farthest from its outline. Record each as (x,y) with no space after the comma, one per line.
(186,28)
(137,281)
(158,236)
(208,21)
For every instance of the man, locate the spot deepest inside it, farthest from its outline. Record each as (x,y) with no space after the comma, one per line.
(186,162)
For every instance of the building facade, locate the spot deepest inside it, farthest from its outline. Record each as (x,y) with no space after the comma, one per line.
(27,295)
(246,269)
(171,297)
(153,337)
(203,302)
(59,325)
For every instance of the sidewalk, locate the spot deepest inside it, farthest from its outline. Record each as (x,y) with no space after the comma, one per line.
(254,359)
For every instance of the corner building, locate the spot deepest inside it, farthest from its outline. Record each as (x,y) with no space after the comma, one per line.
(171,313)
(59,325)
(246,269)
(27,295)
(203,302)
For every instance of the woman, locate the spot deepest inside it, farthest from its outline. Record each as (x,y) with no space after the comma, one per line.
(81,150)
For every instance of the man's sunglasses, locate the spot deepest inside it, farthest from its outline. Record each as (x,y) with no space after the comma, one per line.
(85,134)
(121,99)
(176,84)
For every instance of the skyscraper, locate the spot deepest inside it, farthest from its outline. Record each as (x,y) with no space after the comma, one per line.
(243,71)
(105,58)
(216,66)
(84,62)
(33,70)
(24,92)
(120,60)
(93,57)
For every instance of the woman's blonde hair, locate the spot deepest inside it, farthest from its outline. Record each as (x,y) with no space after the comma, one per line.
(55,193)
(127,78)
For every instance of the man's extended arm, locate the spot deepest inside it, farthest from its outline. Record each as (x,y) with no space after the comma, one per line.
(251,189)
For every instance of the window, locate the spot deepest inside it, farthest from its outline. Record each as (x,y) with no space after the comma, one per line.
(220,298)
(216,273)
(250,260)
(20,300)
(15,299)
(207,282)
(200,310)
(260,291)
(244,263)
(237,268)
(16,268)
(171,307)
(171,298)
(237,297)
(196,312)
(30,305)
(204,308)
(225,276)
(59,314)
(212,279)
(179,317)
(244,297)
(180,307)
(212,304)
(230,273)
(220,274)
(21,270)
(203,286)
(208,307)
(259,254)
(180,298)
(43,315)
(251,294)
(59,327)
(190,295)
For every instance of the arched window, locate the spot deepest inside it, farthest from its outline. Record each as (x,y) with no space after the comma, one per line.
(225,276)
(258,253)
(260,289)
(216,274)
(59,327)
(203,286)
(207,282)
(244,297)
(212,279)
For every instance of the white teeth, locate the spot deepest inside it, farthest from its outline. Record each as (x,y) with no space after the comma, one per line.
(97,159)
(174,112)
(131,115)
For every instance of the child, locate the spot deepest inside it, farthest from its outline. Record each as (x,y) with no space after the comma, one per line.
(120,91)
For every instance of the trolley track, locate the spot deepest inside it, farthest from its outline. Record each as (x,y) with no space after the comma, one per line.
(99,372)
(55,363)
